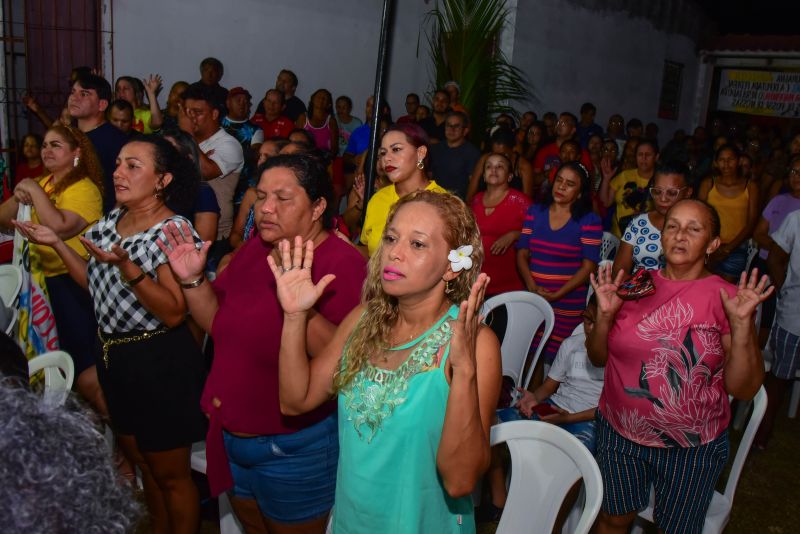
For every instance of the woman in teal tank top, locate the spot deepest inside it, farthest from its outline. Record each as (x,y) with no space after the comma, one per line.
(417,377)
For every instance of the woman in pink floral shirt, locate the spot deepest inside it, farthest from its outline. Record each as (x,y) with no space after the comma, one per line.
(672,358)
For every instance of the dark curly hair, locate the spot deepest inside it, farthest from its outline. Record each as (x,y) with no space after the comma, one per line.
(312,176)
(181,193)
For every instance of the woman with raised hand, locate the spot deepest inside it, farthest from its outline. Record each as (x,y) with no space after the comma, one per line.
(416,376)
(674,344)
(69,200)
(150,368)
(280,471)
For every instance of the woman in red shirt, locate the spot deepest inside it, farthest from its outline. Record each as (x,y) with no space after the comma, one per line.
(499,212)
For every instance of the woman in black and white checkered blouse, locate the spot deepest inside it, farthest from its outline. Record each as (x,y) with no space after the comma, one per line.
(151,369)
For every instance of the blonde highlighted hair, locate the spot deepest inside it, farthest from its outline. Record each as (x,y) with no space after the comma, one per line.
(88,163)
(373,331)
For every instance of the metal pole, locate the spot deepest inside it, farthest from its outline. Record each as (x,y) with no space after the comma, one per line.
(380,74)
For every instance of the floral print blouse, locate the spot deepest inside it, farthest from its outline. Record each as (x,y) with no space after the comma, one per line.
(664,382)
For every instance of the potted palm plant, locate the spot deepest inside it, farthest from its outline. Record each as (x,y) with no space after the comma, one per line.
(464,44)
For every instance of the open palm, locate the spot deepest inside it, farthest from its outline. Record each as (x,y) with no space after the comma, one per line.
(605,288)
(750,292)
(297,292)
(185,259)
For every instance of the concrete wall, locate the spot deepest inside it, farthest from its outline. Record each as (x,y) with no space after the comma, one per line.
(331,44)
(573,54)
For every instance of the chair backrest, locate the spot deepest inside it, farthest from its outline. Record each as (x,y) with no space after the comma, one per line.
(526,313)
(10,284)
(13,319)
(759,407)
(752,250)
(59,373)
(545,462)
(609,246)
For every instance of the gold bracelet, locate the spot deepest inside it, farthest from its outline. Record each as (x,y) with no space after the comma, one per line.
(193,283)
(133,282)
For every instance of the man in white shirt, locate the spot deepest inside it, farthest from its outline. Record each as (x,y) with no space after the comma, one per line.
(783,263)
(221,157)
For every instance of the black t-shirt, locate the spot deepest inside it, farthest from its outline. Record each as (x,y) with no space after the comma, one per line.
(294,108)
(108,140)
(452,167)
(433,130)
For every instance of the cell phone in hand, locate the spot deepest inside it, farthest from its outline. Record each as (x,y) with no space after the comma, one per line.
(543,409)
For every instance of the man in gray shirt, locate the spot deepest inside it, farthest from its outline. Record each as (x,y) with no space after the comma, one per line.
(452,162)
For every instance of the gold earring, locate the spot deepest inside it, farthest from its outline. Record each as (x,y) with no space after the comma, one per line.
(448,288)
(420,164)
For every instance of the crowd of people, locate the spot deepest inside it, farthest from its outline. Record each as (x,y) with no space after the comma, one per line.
(344,355)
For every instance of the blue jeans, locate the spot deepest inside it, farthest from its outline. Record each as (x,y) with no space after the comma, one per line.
(291,476)
(583,430)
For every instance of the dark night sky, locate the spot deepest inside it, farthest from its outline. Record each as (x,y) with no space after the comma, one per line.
(776,17)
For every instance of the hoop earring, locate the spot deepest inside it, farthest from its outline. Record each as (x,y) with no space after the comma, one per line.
(420,164)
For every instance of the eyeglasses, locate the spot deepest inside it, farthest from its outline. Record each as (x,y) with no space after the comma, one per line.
(670,194)
(609,150)
(794,172)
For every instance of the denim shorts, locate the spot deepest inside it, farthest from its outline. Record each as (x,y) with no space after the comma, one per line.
(292,477)
(735,263)
(583,430)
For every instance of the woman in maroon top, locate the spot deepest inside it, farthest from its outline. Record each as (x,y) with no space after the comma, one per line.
(30,162)
(281,470)
(499,212)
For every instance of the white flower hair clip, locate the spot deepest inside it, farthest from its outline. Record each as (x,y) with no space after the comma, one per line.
(460,258)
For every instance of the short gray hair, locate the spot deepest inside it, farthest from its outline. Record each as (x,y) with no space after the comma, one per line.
(56,472)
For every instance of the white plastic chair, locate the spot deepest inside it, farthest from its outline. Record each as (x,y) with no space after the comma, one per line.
(13,320)
(608,247)
(59,373)
(228,522)
(10,284)
(719,512)
(526,313)
(545,463)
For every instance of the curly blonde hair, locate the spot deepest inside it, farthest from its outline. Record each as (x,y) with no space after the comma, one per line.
(372,333)
(88,164)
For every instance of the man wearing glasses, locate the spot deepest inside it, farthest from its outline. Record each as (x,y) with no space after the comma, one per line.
(452,162)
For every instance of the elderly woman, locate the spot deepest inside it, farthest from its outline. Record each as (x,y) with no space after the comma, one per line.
(149,366)
(281,471)
(416,377)
(674,347)
(640,247)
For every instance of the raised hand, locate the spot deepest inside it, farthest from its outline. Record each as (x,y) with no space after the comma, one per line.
(152,84)
(30,103)
(37,233)
(749,294)
(465,330)
(297,292)
(605,287)
(186,260)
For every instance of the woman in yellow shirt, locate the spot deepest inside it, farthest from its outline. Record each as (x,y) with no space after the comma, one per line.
(69,200)
(403,153)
